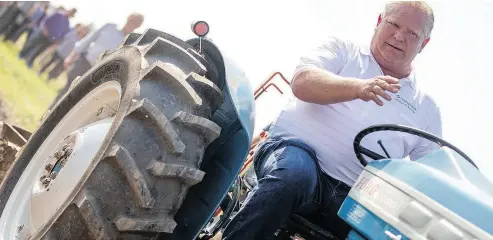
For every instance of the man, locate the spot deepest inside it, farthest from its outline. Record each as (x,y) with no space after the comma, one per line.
(63,50)
(87,51)
(33,19)
(53,28)
(8,16)
(307,166)
(19,18)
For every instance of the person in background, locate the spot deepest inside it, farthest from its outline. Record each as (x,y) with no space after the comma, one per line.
(53,28)
(87,51)
(8,16)
(3,6)
(37,29)
(26,6)
(63,50)
(33,19)
(20,17)
(50,49)
(26,9)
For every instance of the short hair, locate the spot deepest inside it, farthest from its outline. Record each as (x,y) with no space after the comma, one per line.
(73,10)
(136,16)
(421,5)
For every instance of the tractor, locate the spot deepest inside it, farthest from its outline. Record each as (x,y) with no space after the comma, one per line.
(150,142)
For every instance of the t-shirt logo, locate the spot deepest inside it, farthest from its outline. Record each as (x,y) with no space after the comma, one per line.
(407,104)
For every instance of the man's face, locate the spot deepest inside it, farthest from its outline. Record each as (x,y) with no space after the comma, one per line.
(82,32)
(400,35)
(71,13)
(134,22)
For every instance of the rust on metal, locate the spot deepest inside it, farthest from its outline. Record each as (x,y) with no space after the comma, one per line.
(263,88)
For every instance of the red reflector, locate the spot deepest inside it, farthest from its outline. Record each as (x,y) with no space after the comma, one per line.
(201,29)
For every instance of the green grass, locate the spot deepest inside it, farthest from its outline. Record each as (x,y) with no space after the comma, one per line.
(24,94)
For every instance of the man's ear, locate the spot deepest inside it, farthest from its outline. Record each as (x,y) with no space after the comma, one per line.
(379,19)
(425,42)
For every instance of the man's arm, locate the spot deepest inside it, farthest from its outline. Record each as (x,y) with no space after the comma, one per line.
(320,86)
(317,81)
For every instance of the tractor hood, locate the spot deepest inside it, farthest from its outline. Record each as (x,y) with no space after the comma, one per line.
(446,178)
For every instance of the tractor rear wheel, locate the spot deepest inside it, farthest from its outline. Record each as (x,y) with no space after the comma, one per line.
(115,157)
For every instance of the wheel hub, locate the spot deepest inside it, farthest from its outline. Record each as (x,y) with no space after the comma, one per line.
(57,160)
(64,168)
(60,163)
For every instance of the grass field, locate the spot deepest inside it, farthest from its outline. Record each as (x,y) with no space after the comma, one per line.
(24,94)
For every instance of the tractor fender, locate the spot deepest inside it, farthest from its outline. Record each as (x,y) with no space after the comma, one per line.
(225,156)
(234,83)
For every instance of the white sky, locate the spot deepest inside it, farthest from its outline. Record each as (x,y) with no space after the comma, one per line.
(268,36)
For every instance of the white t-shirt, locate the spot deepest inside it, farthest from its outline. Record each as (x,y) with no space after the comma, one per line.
(330,129)
(106,38)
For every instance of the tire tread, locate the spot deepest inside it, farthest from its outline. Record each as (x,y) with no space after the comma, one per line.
(152,188)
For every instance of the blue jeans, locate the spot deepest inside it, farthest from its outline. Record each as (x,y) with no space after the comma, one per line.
(289,181)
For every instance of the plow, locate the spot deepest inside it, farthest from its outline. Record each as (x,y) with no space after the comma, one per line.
(155,142)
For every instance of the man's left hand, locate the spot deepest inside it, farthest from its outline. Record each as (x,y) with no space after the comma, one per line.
(370,89)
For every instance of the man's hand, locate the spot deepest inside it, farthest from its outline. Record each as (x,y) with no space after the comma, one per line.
(67,63)
(70,59)
(369,90)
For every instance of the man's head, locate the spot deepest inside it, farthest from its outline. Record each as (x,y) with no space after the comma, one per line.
(71,12)
(82,31)
(44,5)
(134,21)
(403,30)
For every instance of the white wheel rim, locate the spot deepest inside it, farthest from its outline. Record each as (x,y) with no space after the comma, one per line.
(31,204)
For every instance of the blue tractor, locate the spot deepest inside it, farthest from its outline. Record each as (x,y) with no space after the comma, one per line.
(149,143)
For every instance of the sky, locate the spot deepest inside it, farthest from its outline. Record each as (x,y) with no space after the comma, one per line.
(268,36)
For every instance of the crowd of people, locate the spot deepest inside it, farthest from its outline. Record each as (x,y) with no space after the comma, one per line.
(73,48)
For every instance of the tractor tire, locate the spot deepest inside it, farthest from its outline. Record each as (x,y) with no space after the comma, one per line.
(153,153)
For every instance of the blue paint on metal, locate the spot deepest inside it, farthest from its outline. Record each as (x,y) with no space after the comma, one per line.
(224,157)
(353,235)
(241,93)
(367,224)
(450,180)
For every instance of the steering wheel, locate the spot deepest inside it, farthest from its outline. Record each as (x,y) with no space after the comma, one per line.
(360,150)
